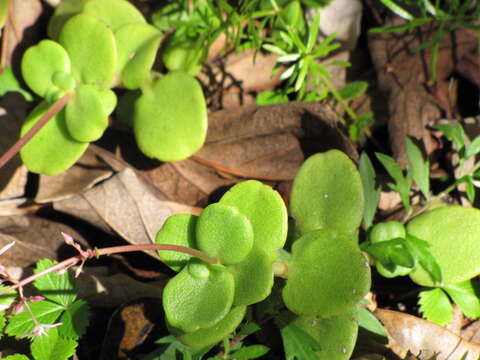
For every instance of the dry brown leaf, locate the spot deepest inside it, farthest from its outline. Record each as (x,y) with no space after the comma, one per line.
(129,326)
(423,338)
(86,172)
(405,77)
(36,238)
(21,30)
(123,204)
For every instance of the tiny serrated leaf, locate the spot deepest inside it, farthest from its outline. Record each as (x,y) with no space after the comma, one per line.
(435,306)
(16,357)
(419,167)
(46,312)
(464,294)
(372,193)
(52,346)
(250,352)
(75,320)
(7,299)
(58,288)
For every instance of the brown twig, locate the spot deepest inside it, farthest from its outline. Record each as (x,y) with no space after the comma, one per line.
(52,111)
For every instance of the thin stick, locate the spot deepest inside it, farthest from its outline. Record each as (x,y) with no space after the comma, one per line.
(52,111)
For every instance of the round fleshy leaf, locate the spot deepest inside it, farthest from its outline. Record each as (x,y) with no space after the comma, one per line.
(137,46)
(454,235)
(265,209)
(108,100)
(85,114)
(92,50)
(224,233)
(327,193)
(179,230)
(170,121)
(212,335)
(184,54)
(335,335)
(64,11)
(41,62)
(253,278)
(192,303)
(52,150)
(327,274)
(114,13)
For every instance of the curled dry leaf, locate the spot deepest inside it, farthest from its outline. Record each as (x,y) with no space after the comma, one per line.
(423,338)
(125,205)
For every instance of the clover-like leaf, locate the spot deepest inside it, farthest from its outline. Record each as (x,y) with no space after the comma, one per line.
(198,297)
(327,274)
(212,335)
(446,229)
(335,335)
(224,233)
(56,287)
(91,47)
(41,62)
(178,229)
(85,114)
(253,278)
(53,346)
(327,193)
(114,13)
(170,120)
(63,12)
(137,46)
(265,209)
(52,150)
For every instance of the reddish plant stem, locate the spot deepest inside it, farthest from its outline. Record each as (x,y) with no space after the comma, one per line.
(52,111)
(95,253)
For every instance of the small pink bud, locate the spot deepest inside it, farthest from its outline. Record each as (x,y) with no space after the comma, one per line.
(68,239)
(18,308)
(36,298)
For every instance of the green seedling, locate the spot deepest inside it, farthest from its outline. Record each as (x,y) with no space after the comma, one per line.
(326,273)
(100,44)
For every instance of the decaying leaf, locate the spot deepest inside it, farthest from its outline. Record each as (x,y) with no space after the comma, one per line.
(423,338)
(125,205)
(405,77)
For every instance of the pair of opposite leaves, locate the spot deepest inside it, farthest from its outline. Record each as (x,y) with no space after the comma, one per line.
(95,52)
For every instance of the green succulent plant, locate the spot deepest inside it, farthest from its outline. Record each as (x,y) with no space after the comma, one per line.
(326,273)
(100,44)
